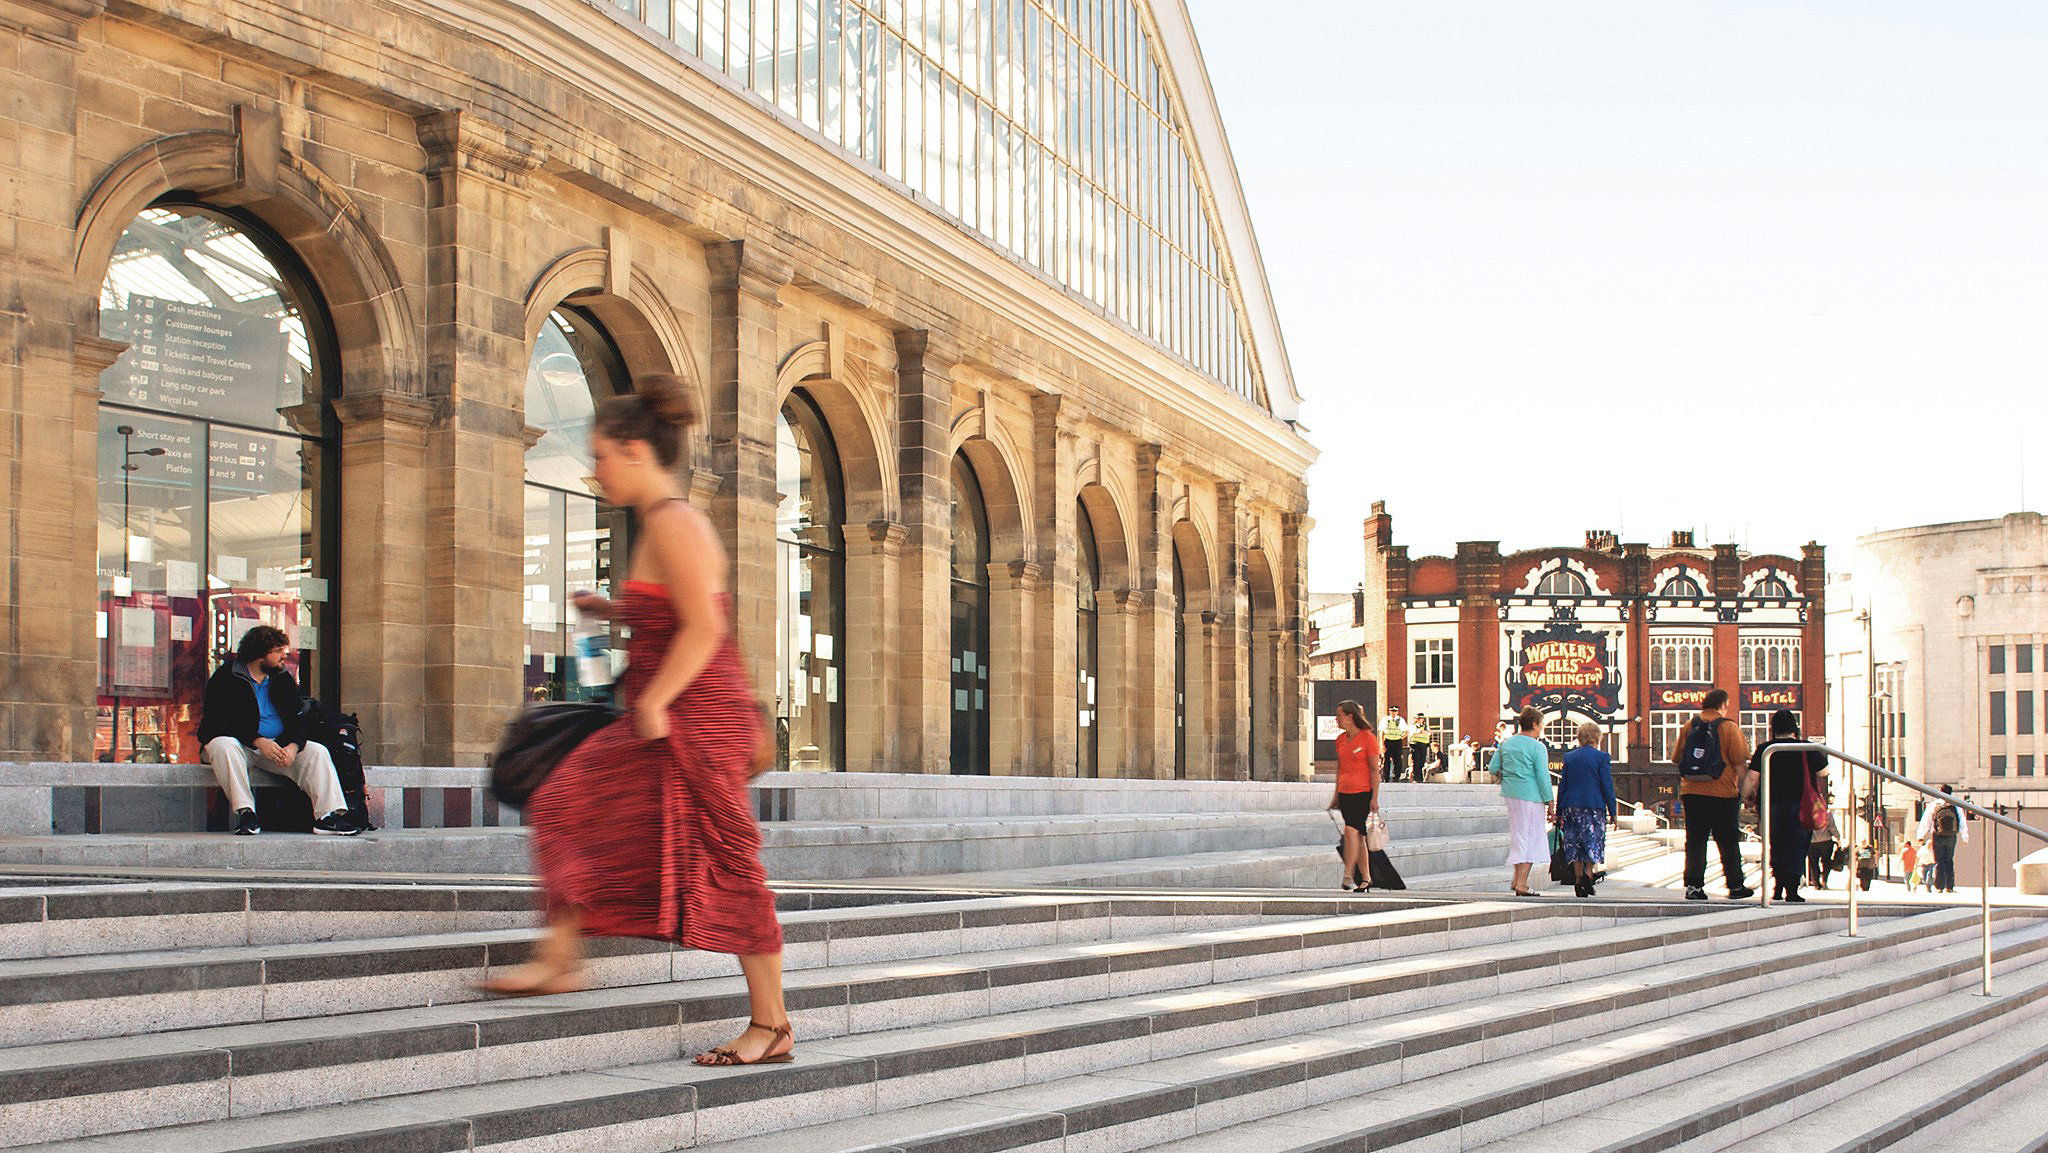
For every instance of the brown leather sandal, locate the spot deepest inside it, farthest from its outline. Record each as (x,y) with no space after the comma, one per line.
(723,1057)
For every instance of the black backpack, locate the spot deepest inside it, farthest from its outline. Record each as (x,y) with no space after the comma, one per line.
(342,733)
(1947,822)
(1700,757)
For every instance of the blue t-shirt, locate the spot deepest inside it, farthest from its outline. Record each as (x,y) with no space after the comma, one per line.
(268,723)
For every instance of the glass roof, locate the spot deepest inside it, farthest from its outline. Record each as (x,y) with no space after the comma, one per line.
(1045,126)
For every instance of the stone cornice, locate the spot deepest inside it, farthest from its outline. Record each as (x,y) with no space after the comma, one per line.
(96,354)
(473,144)
(398,408)
(57,21)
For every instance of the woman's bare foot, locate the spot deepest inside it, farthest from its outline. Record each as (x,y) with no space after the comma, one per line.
(757,1044)
(534,979)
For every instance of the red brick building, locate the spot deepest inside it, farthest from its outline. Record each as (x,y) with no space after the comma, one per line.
(1629,636)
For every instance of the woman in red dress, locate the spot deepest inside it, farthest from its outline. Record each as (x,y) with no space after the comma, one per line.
(645,830)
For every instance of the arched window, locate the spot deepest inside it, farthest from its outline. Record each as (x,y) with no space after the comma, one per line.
(970,622)
(1087,578)
(217,472)
(1682,585)
(810,653)
(1773,586)
(1561,582)
(571,536)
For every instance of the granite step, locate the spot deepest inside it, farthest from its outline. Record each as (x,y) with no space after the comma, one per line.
(1515,1100)
(975,1041)
(117,994)
(1878,1081)
(1953,1071)
(1145,1104)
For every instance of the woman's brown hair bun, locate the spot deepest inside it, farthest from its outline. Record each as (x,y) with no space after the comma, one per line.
(668,397)
(659,410)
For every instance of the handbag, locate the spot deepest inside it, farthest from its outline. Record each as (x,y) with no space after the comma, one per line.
(537,740)
(1376,838)
(1813,808)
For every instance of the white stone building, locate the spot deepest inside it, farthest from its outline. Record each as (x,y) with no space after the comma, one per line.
(1935,642)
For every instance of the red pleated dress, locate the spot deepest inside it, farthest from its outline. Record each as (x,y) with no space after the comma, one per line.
(657,838)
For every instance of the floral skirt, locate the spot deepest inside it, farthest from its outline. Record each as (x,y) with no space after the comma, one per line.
(1582,834)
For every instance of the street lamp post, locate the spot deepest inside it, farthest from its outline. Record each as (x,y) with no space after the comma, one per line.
(128,469)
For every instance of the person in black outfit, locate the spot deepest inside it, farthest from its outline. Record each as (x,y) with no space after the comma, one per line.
(1787,776)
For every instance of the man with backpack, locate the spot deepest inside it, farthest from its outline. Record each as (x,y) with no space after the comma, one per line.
(1713,781)
(1944,823)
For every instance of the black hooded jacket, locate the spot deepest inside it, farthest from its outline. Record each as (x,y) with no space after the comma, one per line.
(230,709)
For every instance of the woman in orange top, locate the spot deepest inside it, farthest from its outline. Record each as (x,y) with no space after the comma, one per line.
(1356,797)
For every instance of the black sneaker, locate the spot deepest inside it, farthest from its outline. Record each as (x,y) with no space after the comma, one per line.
(246,824)
(337,824)
(1741,894)
(1695,893)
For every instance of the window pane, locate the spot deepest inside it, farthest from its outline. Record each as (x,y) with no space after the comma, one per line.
(212,508)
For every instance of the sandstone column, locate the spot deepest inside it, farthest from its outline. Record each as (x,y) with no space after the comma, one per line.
(739,425)
(873,590)
(49,394)
(478,202)
(924,416)
(383,538)
(1014,597)
(1055,692)
(1229,696)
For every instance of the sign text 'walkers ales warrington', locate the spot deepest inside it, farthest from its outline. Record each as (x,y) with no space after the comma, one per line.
(1565,667)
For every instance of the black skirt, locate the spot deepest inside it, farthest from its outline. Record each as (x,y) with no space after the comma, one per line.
(1354,808)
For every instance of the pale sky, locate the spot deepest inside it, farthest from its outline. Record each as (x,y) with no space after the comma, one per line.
(1773,270)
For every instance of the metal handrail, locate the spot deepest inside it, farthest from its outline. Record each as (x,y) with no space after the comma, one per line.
(1881,774)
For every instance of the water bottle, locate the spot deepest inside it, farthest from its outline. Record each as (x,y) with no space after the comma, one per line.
(590,648)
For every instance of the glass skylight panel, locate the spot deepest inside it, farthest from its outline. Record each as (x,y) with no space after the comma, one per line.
(1042,125)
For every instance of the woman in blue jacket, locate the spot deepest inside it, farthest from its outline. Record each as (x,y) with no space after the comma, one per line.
(1585,803)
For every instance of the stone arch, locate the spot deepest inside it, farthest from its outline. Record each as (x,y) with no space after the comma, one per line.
(1006,501)
(1112,536)
(374,327)
(1197,567)
(866,470)
(636,316)
(1260,583)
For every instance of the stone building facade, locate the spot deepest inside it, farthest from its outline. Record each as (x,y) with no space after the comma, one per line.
(1937,641)
(308,306)
(1626,635)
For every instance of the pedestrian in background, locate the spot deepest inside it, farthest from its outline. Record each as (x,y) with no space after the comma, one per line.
(1713,781)
(1820,857)
(1523,762)
(1909,864)
(1418,749)
(1585,806)
(1943,824)
(1357,796)
(1790,775)
(1394,739)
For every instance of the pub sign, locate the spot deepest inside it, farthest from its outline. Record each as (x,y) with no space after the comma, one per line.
(1565,667)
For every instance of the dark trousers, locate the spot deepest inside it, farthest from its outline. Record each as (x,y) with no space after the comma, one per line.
(1818,858)
(1790,843)
(1713,817)
(1418,761)
(1392,768)
(1945,864)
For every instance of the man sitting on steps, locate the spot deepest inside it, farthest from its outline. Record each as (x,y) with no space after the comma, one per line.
(252,713)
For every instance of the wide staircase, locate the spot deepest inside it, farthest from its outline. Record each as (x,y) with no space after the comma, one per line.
(209,1017)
